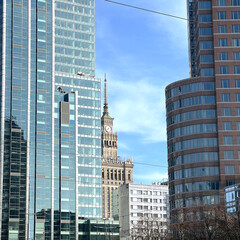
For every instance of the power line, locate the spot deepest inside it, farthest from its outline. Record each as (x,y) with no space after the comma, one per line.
(147,10)
(148,164)
(157,12)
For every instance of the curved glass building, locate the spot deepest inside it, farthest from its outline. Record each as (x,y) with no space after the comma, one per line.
(203,112)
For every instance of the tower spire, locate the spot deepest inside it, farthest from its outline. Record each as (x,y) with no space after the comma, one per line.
(105,90)
(105,107)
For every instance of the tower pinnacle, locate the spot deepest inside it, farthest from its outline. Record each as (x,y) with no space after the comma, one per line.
(105,107)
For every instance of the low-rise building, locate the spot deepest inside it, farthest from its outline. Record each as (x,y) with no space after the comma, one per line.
(143,210)
(92,229)
(232,198)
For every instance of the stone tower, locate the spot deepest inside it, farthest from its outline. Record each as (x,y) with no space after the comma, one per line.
(114,171)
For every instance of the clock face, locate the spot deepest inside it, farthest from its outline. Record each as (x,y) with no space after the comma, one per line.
(108,128)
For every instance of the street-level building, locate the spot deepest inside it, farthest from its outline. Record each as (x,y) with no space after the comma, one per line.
(143,211)
(232,198)
(101,229)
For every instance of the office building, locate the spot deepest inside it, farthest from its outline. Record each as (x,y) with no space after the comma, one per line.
(143,211)
(50,162)
(103,229)
(203,112)
(114,170)
(232,198)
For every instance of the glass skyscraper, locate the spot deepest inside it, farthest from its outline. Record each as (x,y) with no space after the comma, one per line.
(50,162)
(203,112)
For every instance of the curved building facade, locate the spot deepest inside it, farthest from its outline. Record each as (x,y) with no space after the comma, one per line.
(193,152)
(203,112)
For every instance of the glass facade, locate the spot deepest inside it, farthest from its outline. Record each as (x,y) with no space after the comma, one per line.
(50,171)
(202,126)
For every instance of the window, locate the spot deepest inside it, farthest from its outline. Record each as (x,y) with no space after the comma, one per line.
(204,5)
(224,69)
(207,72)
(238,125)
(236,69)
(237,83)
(230,182)
(238,140)
(221,2)
(205,18)
(206,45)
(236,28)
(228,155)
(236,42)
(227,140)
(222,28)
(237,111)
(236,55)
(227,126)
(221,15)
(208,58)
(229,169)
(223,56)
(237,97)
(235,15)
(225,97)
(224,83)
(234,2)
(226,112)
(238,154)
(205,31)
(222,42)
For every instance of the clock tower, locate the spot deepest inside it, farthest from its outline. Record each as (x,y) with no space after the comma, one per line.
(114,170)
(109,139)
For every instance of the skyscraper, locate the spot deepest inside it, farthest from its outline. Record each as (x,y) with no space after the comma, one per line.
(114,170)
(203,112)
(50,171)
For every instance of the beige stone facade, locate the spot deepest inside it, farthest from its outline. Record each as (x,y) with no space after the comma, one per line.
(114,170)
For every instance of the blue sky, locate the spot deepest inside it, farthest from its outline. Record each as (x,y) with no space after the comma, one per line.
(141,53)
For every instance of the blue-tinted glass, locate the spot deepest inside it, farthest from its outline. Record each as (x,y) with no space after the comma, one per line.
(206,58)
(205,31)
(222,42)
(236,42)
(237,83)
(224,83)
(221,2)
(225,97)
(206,45)
(204,4)
(221,15)
(236,55)
(234,2)
(207,72)
(235,15)
(236,28)
(222,28)
(223,56)
(236,69)
(224,69)
(205,17)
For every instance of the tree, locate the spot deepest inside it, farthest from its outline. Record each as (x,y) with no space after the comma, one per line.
(205,223)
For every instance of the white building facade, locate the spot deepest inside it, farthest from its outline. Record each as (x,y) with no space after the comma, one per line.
(143,211)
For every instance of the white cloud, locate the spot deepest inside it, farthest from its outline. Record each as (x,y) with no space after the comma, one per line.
(176,29)
(122,145)
(136,84)
(138,107)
